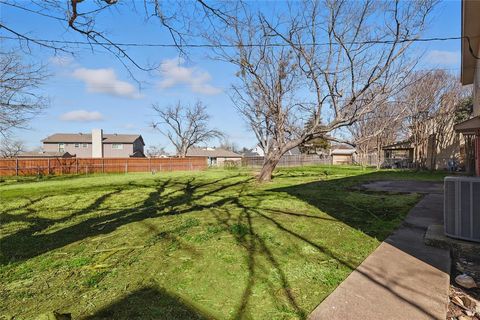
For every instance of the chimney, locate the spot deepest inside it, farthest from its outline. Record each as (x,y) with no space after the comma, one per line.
(97,143)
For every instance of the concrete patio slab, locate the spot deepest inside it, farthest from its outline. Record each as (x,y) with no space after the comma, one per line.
(403,278)
(436,237)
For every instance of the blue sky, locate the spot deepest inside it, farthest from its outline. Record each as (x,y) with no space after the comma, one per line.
(93,90)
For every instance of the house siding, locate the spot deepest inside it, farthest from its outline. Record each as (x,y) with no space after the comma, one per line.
(80,152)
(86,152)
(342,159)
(440,152)
(109,152)
(221,160)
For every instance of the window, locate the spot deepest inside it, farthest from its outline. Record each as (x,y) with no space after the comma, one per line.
(117,146)
(212,161)
(84,145)
(77,145)
(61,147)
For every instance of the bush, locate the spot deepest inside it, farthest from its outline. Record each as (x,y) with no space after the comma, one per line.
(231,164)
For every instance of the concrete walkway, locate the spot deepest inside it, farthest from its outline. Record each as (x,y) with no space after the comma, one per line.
(403,278)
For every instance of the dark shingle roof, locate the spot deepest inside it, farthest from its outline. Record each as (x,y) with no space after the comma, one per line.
(45,154)
(405,144)
(212,152)
(250,153)
(87,138)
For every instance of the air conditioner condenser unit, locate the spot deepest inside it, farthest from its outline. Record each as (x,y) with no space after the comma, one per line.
(462,208)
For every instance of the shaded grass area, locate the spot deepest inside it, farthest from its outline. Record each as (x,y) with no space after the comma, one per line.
(209,244)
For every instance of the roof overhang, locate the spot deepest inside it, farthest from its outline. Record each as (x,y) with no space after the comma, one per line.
(343,152)
(401,145)
(471,126)
(470,29)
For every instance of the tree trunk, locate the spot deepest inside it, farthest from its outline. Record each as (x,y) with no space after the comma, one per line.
(182,152)
(379,149)
(267,169)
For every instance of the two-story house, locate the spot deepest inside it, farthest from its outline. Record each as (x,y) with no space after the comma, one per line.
(96,144)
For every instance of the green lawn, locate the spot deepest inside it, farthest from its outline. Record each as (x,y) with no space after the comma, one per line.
(179,245)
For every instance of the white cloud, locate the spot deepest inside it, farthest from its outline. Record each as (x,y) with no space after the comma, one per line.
(105,81)
(174,73)
(62,61)
(82,116)
(443,57)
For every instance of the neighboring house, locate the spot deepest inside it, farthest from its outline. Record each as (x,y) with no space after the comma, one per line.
(215,156)
(258,152)
(44,154)
(293,152)
(443,144)
(96,145)
(343,154)
(252,153)
(398,155)
(470,74)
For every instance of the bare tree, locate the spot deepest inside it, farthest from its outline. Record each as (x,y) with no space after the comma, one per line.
(20,98)
(155,152)
(421,113)
(431,101)
(381,127)
(10,148)
(330,61)
(178,17)
(184,126)
(229,145)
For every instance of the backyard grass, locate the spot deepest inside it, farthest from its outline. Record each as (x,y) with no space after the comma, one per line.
(211,244)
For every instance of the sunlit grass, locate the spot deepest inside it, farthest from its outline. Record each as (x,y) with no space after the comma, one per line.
(211,244)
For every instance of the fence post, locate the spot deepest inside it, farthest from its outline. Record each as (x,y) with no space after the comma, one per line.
(126,166)
(16,166)
(150,164)
(48,169)
(103,165)
(76,165)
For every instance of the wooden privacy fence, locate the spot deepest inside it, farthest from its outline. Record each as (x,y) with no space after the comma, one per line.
(289,160)
(58,166)
(369,159)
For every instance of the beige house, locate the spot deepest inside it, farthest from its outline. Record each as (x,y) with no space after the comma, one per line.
(343,155)
(95,144)
(470,74)
(215,156)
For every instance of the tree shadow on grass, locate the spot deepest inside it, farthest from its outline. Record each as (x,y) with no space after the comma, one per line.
(376,214)
(31,242)
(329,196)
(378,218)
(150,303)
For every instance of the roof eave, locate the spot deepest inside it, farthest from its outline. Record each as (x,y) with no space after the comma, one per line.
(470,126)
(470,29)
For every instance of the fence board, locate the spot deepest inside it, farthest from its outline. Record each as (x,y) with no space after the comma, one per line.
(59,166)
(288,161)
